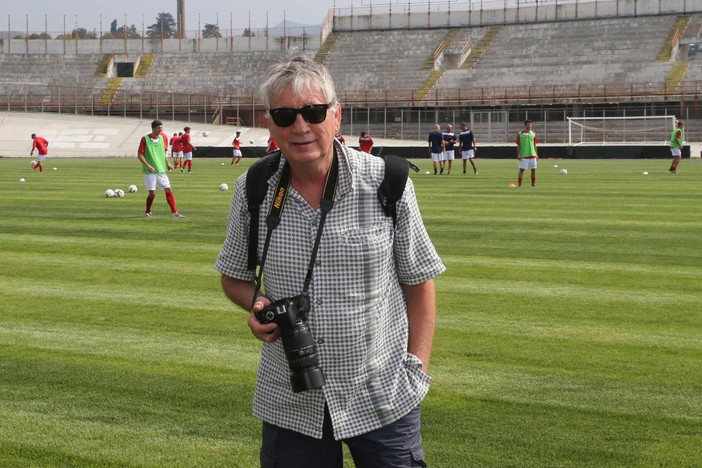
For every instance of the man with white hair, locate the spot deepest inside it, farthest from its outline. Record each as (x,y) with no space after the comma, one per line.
(368,293)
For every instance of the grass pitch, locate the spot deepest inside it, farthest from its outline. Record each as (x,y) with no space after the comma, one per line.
(569,329)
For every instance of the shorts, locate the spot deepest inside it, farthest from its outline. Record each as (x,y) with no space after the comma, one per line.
(675,152)
(41,157)
(178,154)
(449,155)
(237,153)
(436,157)
(188,156)
(468,154)
(528,163)
(160,180)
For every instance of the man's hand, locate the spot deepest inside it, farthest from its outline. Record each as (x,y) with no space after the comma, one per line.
(269,332)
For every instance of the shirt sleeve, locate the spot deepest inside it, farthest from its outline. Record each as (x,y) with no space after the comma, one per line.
(233,258)
(165,141)
(142,146)
(416,259)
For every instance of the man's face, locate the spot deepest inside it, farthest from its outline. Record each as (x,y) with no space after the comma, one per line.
(155,131)
(464,128)
(449,128)
(303,142)
(528,125)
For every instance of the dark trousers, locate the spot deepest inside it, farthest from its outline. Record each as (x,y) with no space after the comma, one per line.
(396,445)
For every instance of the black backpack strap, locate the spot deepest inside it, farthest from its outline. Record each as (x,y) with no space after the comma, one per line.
(393,185)
(256,189)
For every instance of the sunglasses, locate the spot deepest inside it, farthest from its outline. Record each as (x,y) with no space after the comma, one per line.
(313,114)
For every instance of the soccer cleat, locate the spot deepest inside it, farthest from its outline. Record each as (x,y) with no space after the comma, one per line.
(673,171)
(464,173)
(147,214)
(181,169)
(519,186)
(475,172)
(533,185)
(178,215)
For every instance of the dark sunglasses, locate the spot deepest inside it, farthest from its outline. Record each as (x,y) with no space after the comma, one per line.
(313,113)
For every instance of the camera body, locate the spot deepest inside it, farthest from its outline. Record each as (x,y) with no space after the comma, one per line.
(290,314)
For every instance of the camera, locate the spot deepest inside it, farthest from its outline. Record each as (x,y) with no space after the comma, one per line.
(290,314)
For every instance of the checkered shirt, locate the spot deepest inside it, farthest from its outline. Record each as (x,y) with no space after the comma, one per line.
(358,313)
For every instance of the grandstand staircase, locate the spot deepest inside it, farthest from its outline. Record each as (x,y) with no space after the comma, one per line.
(675,77)
(111,90)
(327,47)
(105,60)
(144,65)
(666,52)
(482,46)
(428,64)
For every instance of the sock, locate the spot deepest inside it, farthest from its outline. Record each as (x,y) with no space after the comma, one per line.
(533,180)
(149,201)
(190,166)
(41,167)
(673,167)
(171,201)
(520,181)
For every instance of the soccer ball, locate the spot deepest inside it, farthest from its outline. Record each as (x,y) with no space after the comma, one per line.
(109,193)
(205,134)
(22,179)
(555,165)
(564,172)
(222,164)
(224,187)
(119,193)
(251,142)
(132,189)
(34,163)
(644,173)
(426,172)
(56,168)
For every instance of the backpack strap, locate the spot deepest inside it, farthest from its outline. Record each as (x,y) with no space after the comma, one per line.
(393,186)
(256,189)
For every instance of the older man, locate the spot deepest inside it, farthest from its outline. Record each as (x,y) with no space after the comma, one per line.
(368,283)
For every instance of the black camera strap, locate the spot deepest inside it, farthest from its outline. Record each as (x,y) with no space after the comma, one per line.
(276,213)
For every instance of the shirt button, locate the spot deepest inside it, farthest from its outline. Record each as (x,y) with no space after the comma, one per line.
(318,302)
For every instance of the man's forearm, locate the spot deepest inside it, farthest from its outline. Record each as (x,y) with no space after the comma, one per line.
(421,314)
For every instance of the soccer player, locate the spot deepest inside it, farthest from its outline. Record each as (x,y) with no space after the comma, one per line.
(272,145)
(449,151)
(340,137)
(152,154)
(42,146)
(467,147)
(526,153)
(178,148)
(676,143)
(365,143)
(236,152)
(174,151)
(436,148)
(187,150)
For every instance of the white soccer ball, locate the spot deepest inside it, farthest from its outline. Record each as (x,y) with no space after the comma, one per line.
(224,187)
(564,172)
(119,193)
(222,164)
(34,163)
(644,173)
(109,193)
(133,188)
(205,134)
(56,168)
(555,165)
(22,179)
(426,172)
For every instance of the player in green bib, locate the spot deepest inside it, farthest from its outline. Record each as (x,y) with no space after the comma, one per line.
(677,137)
(526,153)
(154,164)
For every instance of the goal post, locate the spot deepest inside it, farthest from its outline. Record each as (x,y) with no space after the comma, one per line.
(620,130)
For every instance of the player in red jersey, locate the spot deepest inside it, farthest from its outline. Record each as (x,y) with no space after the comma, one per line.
(188,149)
(236,155)
(174,151)
(365,143)
(178,148)
(272,145)
(42,146)
(340,137)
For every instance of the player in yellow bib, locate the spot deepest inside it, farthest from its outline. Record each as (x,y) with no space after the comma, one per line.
(526,152)
(677,137)
(152,154)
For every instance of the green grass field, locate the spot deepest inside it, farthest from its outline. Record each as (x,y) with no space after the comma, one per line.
(569,319)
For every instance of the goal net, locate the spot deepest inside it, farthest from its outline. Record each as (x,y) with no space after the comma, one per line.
(620,130)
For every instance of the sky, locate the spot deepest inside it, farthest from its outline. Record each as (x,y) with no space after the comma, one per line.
(89,11)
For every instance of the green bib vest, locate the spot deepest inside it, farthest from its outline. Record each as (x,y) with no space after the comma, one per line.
(673,142)
(155,155)
(526,144)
